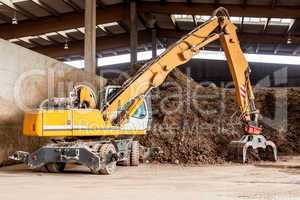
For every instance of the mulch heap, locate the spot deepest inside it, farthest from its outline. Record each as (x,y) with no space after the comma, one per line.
(193,124)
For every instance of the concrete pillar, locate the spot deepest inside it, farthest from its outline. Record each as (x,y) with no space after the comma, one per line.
(133,33)
(90,37)
(154,43)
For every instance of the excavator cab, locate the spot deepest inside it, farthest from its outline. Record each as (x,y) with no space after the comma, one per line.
(140,120)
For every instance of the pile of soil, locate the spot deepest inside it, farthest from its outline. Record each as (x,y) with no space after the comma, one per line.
(193,124)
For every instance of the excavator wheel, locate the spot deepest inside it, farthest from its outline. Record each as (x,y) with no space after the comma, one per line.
(133,156)
(107,153)
(135,153)
(55,167)
(126,161)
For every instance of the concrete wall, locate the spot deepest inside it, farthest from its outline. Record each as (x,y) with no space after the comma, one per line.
(27,78)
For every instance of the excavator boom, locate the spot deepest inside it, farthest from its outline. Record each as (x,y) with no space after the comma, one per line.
(153,73)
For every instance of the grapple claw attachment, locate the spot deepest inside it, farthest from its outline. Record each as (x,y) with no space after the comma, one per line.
(252,148)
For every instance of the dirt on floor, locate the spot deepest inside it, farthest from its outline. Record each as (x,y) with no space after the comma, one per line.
(267,181)
(193,124)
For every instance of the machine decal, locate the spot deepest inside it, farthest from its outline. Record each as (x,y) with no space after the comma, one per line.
(243,91)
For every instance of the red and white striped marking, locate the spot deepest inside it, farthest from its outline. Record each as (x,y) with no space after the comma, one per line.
(243,91)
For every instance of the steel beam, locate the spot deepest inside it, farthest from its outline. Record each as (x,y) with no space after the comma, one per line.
(207,9)
(5,18)
(73,5)
(243,37)
(46,7)
(103,43)
(64,22)
(9,4)
(123,41)
(101,4)
(120,12)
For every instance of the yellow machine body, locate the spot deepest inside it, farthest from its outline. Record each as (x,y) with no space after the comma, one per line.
(73,122)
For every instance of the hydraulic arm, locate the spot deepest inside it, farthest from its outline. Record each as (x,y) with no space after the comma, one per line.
(155,72)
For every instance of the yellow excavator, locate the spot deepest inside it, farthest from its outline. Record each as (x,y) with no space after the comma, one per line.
(97,129)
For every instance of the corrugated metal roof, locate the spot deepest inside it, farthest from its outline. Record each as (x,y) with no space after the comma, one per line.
(32,10)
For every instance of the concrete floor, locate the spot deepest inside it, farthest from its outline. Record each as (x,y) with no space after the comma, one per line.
(280,181)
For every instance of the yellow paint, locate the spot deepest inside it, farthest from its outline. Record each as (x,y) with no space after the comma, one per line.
(32,123)
(86,96)
(74,122)
(57,118)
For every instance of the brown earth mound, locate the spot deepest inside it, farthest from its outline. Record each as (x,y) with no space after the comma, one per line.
(193,124)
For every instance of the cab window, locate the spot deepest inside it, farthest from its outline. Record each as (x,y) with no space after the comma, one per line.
(140,112)
(111,92)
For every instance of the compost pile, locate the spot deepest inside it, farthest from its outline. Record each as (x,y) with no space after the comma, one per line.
(193,124)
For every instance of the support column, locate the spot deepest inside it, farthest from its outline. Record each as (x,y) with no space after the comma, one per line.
(90,37)
(154,43)
(133,33)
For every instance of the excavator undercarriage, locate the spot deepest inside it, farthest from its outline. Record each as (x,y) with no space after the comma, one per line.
(101,156)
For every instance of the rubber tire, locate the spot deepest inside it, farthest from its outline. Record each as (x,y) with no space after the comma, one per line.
(55,167)
(126,162)
(135,153)
(109,167)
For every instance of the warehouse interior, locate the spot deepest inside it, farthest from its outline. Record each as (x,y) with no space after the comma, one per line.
(49,47)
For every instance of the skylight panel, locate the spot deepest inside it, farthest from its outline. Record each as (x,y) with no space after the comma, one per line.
(182,18)
(108,24)
(255,20)
(236,20)
(202,18)
(281,21)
